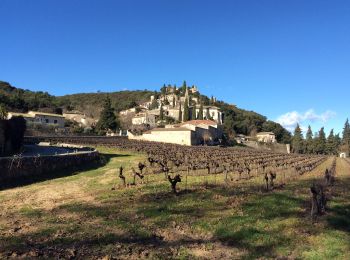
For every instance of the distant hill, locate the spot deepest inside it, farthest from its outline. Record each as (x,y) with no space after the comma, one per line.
(91,103)
(236,120)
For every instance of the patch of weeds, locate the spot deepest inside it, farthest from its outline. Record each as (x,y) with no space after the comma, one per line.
(31,212)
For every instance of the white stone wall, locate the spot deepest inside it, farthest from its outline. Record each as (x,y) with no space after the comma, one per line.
(172,137)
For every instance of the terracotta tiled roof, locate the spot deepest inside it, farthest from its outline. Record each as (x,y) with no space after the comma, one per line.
(199,122)
(170,129)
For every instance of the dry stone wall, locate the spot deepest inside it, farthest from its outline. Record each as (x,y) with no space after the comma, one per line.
(16,166)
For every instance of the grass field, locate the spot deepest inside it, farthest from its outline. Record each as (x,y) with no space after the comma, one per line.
(81,216)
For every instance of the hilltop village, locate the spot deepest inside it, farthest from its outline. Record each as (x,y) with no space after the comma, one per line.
(176,115)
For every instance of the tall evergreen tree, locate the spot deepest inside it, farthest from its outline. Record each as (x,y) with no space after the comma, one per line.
(180,113)
(193,113)
(161,113)
(309,142)
(200,112)
(154,104)
(3,112)
(337,141)
(207,114)
(346,136)
(331,145)
(320,144)
(184,87)
(298,140)
(108,120)
(163,90)
(186,111)
(212,100)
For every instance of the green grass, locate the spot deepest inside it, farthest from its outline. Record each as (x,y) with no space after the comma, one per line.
(147,220)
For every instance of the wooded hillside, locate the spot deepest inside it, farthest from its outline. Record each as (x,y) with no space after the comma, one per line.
(237,121)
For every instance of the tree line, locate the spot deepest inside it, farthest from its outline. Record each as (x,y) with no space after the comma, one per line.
(319,142)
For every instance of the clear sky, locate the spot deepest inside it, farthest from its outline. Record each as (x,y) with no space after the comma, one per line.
(288,60)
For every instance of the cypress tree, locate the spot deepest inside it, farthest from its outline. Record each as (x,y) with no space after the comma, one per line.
(207,114)
(298,140)
(3,112)
(108,119)
(154,104)
(320,146)
(180,113)
(346,136)
(161,113)
(337,141)
(193,113)
(184,86)
(309,141)
(200,112)
(186,111)
(331,145)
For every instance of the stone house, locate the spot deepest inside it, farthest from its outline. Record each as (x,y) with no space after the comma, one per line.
(195,132)
(266,137)
(41,118)
(80,118)
(144,119)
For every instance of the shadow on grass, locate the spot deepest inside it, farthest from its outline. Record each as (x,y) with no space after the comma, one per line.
(27,180)
(339,217)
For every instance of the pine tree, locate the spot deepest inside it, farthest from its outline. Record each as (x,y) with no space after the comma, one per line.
(309,143)
(108,120)
(200,112)
(298,140)
(173,101)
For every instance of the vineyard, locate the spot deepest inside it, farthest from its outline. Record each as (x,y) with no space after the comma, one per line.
(153,200)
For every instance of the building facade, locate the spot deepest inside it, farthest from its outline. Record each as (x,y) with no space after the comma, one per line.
(41,118)
(266,137)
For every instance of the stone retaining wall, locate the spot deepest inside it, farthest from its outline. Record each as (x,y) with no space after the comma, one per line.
(15,167)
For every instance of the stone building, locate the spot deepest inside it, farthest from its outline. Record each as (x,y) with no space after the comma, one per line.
(41,118)
(195,132)
(266,137)
(80,118)
(144,119)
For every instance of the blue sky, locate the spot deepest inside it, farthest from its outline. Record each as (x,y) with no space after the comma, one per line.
(288,60)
